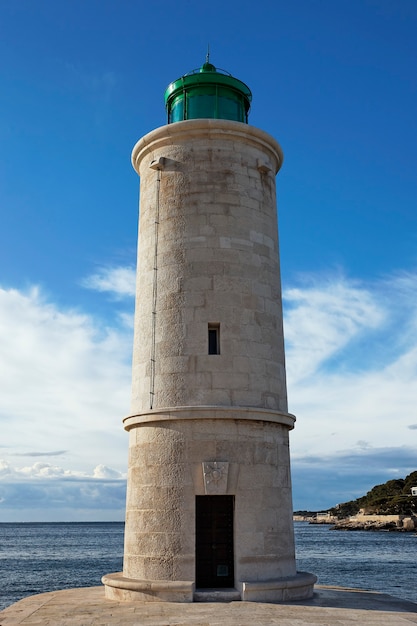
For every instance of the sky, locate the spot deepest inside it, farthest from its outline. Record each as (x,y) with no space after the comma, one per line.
(335,83)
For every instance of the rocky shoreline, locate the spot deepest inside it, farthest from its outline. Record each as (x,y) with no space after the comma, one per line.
(390,523)
(406,524)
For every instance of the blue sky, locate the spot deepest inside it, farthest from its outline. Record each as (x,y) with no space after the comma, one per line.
(335,83)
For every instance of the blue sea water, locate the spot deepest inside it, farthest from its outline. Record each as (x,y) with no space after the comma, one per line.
(377,561)
(35,558)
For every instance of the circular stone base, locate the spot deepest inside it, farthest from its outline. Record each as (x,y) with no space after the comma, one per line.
(123,589)
(298,587)
(118,587)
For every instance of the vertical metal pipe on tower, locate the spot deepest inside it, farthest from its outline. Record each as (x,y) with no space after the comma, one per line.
(209,506)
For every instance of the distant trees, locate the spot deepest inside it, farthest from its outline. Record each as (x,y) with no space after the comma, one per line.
(390,498)
(346,509)
(410,481)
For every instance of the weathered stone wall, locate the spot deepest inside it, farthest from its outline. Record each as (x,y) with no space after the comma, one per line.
(165,475)
(208,254)
(215,249)
(376,518)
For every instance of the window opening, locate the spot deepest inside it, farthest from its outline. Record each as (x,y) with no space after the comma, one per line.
(214,338)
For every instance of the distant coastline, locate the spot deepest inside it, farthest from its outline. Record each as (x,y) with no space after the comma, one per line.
(361,521)
(391,506)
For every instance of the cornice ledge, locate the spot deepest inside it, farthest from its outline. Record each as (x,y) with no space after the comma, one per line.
(166,414)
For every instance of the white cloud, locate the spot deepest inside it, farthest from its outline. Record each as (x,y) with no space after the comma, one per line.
(42,471)
(5,469)
(44,454)
(102,471)
(119,281)
(321,318)
(48,492)
(352,364)
(65,382)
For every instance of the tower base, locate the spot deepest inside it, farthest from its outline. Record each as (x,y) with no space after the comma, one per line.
(298,587)
(120,588)
(123,589)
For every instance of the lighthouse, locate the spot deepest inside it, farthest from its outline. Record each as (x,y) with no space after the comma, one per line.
(209,503)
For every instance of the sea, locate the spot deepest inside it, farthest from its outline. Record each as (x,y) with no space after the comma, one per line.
(40,557)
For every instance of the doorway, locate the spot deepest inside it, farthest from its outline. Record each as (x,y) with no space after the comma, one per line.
(214,542)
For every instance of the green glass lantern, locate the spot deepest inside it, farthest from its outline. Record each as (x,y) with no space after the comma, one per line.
(207,92)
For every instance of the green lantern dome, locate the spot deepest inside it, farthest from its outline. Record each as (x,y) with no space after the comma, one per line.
(207,92)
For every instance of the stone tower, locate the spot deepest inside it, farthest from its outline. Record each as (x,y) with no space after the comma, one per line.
(209,506)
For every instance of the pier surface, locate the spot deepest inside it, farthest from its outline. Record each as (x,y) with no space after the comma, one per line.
(330,605)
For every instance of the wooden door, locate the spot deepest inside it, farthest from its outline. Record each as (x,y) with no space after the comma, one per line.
(214,542)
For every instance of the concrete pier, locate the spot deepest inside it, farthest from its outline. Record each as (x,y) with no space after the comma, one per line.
(329,606)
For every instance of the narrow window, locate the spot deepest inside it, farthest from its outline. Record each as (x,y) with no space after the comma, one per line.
(214,338)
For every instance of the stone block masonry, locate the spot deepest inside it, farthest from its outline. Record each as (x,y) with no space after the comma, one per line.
(209,492)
